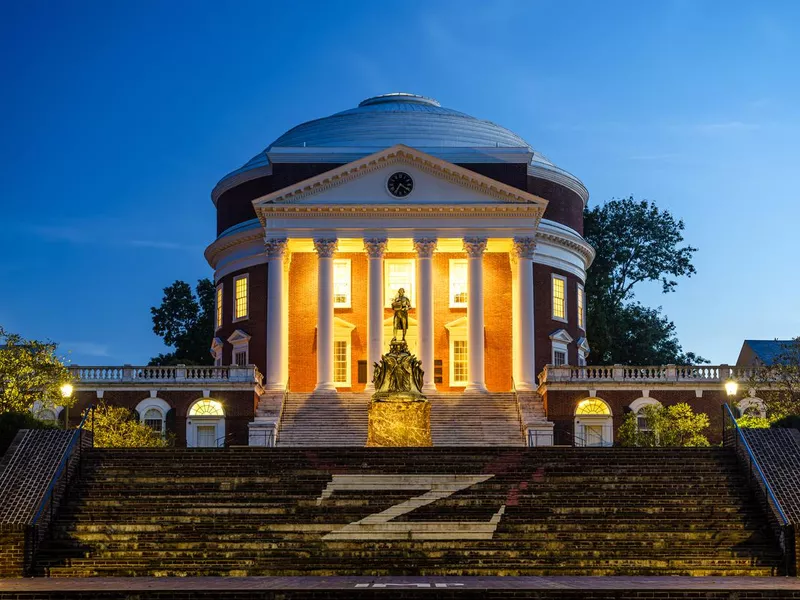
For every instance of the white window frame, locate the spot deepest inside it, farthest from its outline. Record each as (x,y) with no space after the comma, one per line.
(219,295)
(240,341)
(390,293)
(157,403)
(246,277)
(559,342)
(216,351)
(343,332)
(457,263)
(565,318)
(347,264)
(581,307)
(559,347)
(457,332)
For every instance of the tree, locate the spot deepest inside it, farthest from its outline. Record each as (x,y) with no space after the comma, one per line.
(667,426)
(635,242)
(185,321)
(29,371)
(778,383)
(118,427)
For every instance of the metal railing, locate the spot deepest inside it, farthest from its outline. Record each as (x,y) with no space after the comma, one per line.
(733,437)
(563,437)
(68,466)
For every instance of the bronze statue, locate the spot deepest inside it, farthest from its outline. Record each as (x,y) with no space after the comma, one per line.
(400,304)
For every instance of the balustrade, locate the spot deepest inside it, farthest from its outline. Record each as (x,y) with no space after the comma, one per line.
(647,374)
(171,374)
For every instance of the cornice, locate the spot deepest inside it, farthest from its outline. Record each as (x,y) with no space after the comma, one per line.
(237,178)
(560,177)
(399,154)
(559,239)
(220,245)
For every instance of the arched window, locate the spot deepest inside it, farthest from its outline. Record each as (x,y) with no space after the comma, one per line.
(205,424)
(593,423)
(153,413)
(752,407)
(46,415)
(153,418)
(206,408)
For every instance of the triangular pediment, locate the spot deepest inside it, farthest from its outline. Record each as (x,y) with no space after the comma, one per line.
(434,182)
(561,335)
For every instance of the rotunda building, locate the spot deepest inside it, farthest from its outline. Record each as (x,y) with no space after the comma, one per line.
(318,232)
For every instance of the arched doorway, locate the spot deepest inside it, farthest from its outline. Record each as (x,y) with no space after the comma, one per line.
(593,423)
(205,424)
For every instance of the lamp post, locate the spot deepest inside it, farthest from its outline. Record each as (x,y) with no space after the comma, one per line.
(731,387)
(66,394)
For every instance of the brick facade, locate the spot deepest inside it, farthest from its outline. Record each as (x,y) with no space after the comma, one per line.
(255,324)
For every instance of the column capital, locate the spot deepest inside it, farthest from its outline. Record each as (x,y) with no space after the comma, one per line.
(524,247)
(475,246)
(425,247)
(275,248)
(325,247)
(375,247)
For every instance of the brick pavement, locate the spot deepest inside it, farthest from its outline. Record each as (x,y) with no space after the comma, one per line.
(778,454)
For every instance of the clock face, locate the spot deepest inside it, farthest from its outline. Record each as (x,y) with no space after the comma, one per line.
(400,184)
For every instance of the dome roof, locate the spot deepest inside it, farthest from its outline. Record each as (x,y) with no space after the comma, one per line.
(399,118)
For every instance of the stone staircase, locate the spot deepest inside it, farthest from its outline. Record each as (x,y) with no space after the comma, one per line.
(457,419)
(410,511)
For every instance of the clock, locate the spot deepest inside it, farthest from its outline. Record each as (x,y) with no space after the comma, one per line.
(400,184)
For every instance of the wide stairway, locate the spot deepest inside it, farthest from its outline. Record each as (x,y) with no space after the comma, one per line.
(457,419)
(424,511)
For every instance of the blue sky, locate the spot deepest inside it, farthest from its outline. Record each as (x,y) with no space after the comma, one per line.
(119,117)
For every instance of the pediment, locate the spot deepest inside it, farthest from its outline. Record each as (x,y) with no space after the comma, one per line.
(436,182)
(561,335)
(238,337)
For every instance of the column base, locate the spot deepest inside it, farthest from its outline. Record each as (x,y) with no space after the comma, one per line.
(325,388)
(476,388)
(429,388)
(369,388)
(525,387)
(275,387)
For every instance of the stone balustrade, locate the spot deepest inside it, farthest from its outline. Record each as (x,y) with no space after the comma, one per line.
(646,374)
(172,374)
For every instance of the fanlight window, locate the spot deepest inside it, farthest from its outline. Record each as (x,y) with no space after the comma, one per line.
(154,419)
(592,406)
(207,408)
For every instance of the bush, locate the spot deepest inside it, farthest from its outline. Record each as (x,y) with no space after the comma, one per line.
(12,422)
(118,427)
(753,422)
(788,422)
(668,426)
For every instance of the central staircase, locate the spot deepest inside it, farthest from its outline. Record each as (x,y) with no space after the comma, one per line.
(409,511)
(457,419)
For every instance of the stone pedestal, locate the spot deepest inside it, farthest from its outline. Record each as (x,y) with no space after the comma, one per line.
(399,415)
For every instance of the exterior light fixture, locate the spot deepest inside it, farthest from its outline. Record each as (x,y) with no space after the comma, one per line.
(66,390)
(731,387)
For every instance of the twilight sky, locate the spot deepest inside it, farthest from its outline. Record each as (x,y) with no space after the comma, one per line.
(117,119)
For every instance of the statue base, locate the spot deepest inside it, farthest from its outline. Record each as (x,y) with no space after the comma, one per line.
(399,415)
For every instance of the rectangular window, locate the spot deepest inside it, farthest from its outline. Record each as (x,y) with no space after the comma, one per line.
(240,298)
(341,283)
(559,298)
(581,307)
(581,358)
(458,363)
(240,357)
(219,306)
(559,358)
(398,273)
(341,363)
(458,283)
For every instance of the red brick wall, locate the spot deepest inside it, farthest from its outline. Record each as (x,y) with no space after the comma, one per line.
(239,406)
(256,323)
(545,325)
(561,405)
(12,551)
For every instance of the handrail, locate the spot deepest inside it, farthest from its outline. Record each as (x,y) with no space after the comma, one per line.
(754,462)
(76,437)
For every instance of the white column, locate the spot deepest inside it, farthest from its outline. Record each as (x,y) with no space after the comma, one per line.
(425,248)
(524,249)
(325,249)
(275,251)
(515,352)
(376,248)
(287,261)
(476,378)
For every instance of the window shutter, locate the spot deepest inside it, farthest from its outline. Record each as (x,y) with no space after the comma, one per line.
(169,419)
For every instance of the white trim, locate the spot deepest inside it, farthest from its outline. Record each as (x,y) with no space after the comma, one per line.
(216,349)
(565,318)
(195,421)
(343,332)
(349,301)
(640,403)
(752,402)
(162,406)
(581,305)
(246,277)
(582,422)
(457,262)
(240,340)
(457,332)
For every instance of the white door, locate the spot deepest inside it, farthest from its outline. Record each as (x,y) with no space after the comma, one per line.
(206,436)
(594,435)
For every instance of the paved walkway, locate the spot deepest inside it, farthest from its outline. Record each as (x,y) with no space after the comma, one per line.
(231,584)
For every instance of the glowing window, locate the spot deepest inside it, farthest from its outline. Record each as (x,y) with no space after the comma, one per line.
(559,298)
(341,363)
(592,406)
(398,273)
(153,419)
(458,283)
(581,307)
(240,298)
(206,408)
(341,283)
(219,306)
(459,365)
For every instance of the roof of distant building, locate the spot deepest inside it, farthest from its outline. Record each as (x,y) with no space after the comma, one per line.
(762,351)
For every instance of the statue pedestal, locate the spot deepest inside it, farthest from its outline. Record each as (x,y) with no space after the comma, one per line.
(399,415)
